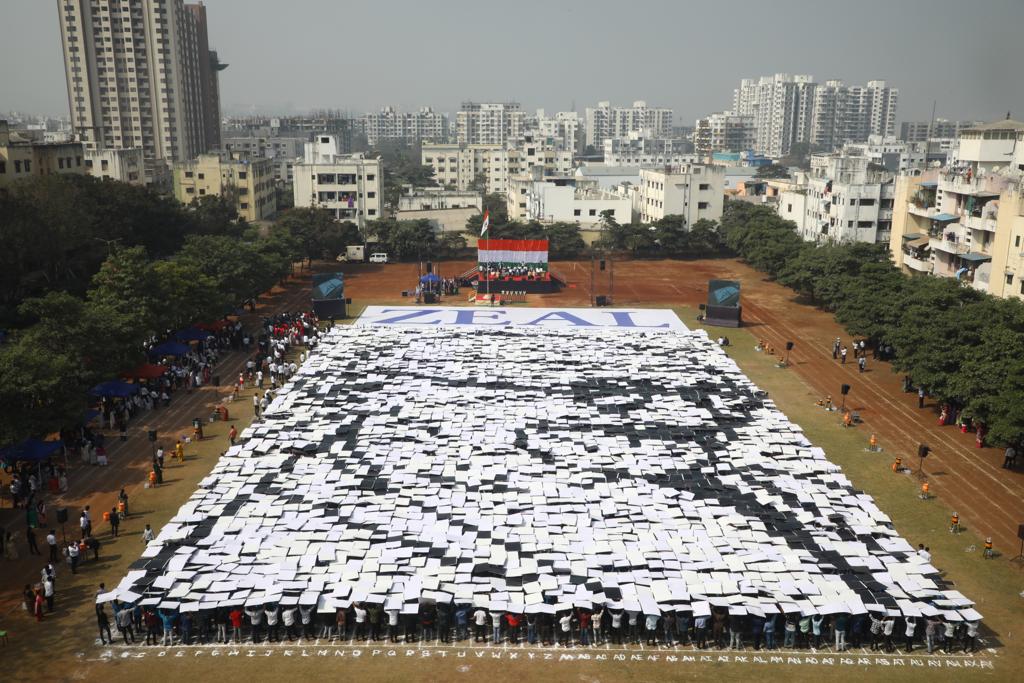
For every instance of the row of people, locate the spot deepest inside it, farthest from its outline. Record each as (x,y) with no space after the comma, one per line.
(447,623)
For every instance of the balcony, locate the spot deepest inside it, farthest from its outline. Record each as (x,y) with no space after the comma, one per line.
(924,211)
(917,264)
(948,246)
(979,223)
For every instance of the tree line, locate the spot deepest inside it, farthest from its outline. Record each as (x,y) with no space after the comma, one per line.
(93,271)
(963,346)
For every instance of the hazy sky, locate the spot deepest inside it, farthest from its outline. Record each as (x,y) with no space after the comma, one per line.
(296,55)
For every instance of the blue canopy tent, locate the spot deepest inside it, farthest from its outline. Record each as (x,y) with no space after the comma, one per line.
(169,348)
(429,278)
(191,334)
(30,450)
(114,389)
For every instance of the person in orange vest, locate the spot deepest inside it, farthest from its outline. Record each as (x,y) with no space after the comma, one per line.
(232,435)
(988,549)
(179,451)
(924,491)
(847,419)
(954,524)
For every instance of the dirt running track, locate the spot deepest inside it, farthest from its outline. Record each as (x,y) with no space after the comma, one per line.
(989,499)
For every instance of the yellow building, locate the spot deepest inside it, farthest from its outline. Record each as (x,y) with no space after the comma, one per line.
(21,157)
(966,221)
(250,181)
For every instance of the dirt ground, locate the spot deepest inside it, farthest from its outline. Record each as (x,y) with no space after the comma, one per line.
(964,478)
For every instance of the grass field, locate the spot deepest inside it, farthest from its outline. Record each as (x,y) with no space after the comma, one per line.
(40,652)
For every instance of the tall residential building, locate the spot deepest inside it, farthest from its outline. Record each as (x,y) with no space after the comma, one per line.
(724,132)
(389,125)
(140,74)
(966,221)
(347,185)
(637,149)
(694,191)
(790,109)
(489,123)
(605,121)
(250,182)
(920,131)
(781,105)
(852,113)
(282,150)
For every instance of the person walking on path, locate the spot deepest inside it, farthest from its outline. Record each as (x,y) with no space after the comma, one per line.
(1010,457)
(115,522)
(862,364)
(842,355)
(147,534)
(104,624)
(835,349)
(232,435)
(920,397)
(51,540)
(48,593)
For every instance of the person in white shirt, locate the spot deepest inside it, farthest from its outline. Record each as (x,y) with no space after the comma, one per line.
(272,632)
(970,636)
(51,540)
(393,625)
(360,621)
(288,617)
(565,628)
(147,534)
(480,621)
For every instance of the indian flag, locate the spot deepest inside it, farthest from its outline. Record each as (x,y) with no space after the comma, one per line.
(486,224)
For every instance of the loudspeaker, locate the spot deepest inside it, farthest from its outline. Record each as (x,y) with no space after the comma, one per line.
(702,306)
(922,451)
(430,267)
(602,264)
(601,300)
(348,301)
(845,389)
(789,346)
(62,515)
(152,432)
(1020,532)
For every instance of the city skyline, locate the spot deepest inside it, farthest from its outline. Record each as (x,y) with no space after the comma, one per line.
(615,68)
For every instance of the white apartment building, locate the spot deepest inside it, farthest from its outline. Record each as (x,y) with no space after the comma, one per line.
(966,220)
(390,125)
(724,131)
(348,185)
(563,128)
(462,166)
(126,165)
(694,191)
(535,197)
(843,199)
(790,109)
(895,155)
(921,131)
(852,113)
(605,121)
(140,74)
(636,148)
(490,123)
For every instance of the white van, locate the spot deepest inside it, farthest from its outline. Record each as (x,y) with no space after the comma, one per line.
(378,258)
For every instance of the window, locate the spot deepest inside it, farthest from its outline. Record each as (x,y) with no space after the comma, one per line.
(852,202)
(201,176)
(244,205)
(1009,278)
(242,175)
(3,169)
(702,205)
(849,224)
(104,164)
(865,224)
(575,212)
(522,205)
(789,208)
(370,176)
(372,212)
(371,195)
(188,174)
(1016,242)
(60,162)
(705,186)
(78,161)
(867,202)
(190,190)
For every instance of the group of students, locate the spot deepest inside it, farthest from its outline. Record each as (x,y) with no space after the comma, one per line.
(449,623)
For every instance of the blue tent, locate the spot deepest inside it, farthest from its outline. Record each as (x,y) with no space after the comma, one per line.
(115,389)
(429,277)
(30,450)
(191,334)
(169,348)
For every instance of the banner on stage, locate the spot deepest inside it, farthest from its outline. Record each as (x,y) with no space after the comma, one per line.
(433,316)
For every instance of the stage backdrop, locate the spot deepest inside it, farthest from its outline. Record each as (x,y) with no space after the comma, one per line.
(513,252)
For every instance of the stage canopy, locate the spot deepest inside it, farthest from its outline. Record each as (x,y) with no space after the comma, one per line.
(30,450)
(114,389)
(429,277)
(513,252)
(169,348)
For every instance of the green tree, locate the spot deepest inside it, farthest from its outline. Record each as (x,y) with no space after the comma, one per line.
(772,171)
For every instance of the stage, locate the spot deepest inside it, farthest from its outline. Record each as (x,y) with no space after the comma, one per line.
(549,286)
